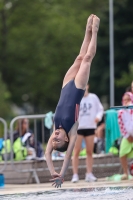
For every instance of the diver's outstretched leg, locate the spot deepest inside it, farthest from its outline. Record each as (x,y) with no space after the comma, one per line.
(82,76)
(73,70)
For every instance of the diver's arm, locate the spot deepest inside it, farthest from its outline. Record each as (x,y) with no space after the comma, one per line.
(48,152)
(72,140)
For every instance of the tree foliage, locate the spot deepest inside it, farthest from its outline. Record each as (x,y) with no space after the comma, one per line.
(40,40)
(5,110)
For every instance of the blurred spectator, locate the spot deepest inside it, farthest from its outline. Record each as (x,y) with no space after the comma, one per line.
(22,128)
(24,141)
(125,119)
(91,112)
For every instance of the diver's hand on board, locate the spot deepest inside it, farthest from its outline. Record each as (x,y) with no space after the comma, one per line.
(57,181)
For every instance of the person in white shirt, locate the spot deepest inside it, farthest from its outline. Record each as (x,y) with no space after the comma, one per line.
(90,113)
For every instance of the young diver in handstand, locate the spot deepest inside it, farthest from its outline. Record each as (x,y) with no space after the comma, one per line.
(64,134)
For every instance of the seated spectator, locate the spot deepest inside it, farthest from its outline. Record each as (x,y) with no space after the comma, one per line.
(22,128)
(125,120)
(23,138)
(5,149)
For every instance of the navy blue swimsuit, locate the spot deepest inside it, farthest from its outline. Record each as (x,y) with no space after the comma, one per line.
(67,110)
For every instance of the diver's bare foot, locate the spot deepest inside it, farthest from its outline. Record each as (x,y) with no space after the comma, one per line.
(95,25)
(89,23)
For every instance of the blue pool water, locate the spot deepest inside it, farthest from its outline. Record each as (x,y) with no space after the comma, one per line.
(76,194)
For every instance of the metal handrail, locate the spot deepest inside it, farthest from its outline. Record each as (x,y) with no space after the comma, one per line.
(35,117)
(121,107)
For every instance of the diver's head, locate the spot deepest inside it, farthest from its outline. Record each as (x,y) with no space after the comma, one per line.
(60,140)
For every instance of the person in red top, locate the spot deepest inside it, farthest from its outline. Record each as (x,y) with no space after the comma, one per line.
(125,120)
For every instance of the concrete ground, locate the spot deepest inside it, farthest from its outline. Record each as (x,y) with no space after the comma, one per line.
(32,188)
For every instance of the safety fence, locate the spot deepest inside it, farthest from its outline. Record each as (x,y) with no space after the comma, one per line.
(33,170)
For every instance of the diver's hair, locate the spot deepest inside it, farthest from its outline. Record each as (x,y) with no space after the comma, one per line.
(63,148)
(128,89)
(19,126)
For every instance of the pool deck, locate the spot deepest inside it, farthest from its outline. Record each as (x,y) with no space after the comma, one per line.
(33,188)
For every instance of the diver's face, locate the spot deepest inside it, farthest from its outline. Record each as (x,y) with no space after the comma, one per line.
(59,138)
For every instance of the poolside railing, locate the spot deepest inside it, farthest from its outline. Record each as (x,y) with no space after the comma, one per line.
(33,170)
(121,107)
